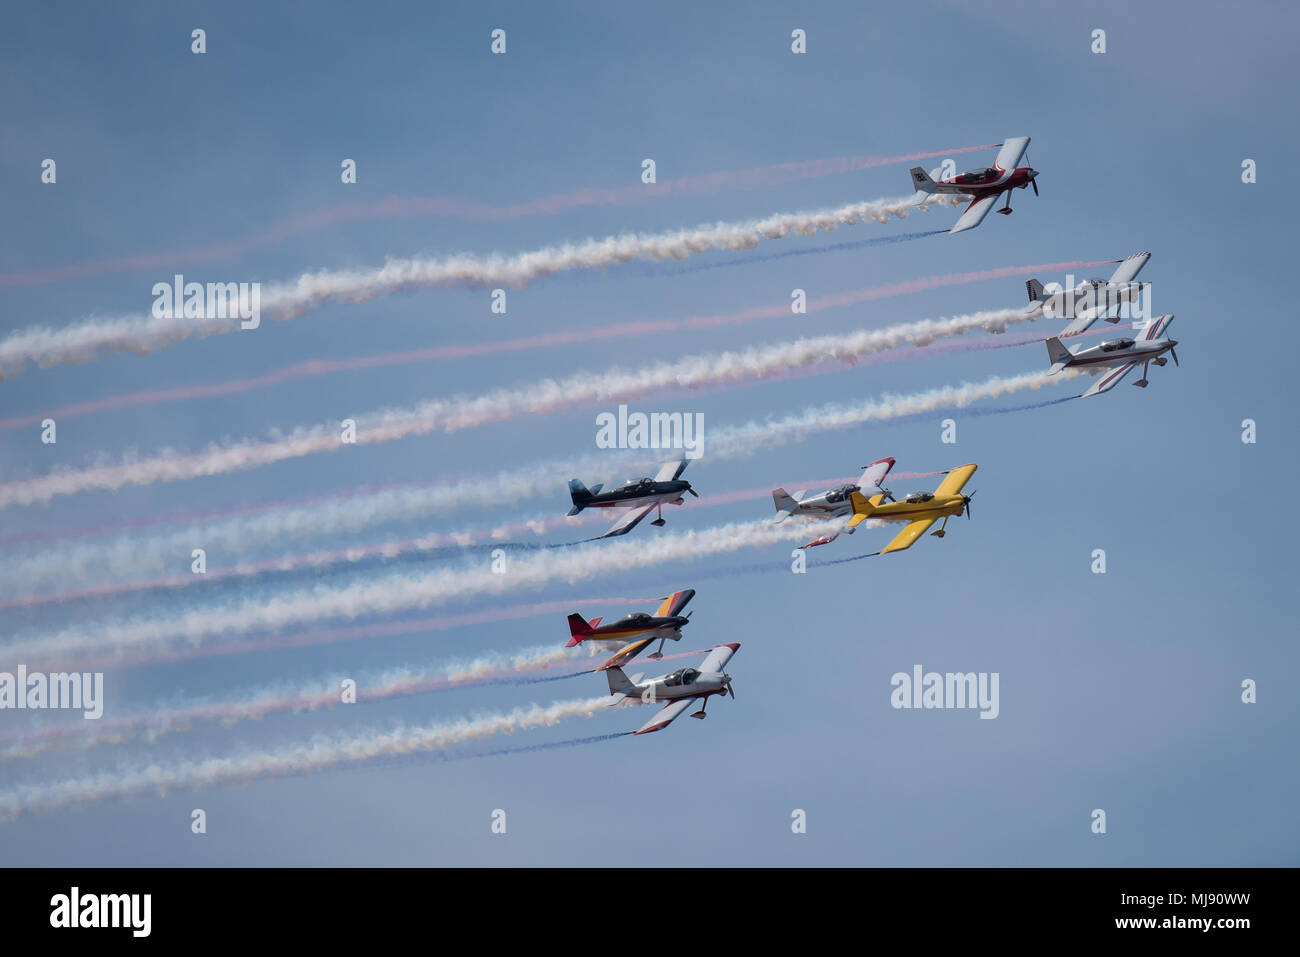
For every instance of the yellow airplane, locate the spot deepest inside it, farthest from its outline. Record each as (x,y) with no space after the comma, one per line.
(919,510)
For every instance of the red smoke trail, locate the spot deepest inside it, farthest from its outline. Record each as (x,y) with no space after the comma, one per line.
(413,206)
(317,367)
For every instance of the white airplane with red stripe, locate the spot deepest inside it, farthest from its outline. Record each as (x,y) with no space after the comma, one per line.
(983,185)
(1117,356)
(679,689)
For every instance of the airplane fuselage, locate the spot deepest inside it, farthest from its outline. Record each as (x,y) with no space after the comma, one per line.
(670,628)
(704,685)
(1136,351)
(641,493)
(919,506)
(986,182)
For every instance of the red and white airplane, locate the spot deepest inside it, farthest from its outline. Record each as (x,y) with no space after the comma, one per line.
(985,185)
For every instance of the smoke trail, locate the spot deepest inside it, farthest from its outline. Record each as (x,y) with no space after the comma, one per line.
(283,697)
(385,629)
(540,398)
(321,753)
(410,206)
(28,574)
(395,593)
(677,269)
(317,367)
(85,341)
(349,514)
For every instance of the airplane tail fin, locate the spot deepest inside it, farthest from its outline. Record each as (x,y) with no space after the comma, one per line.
(618,682)
(923,184)
(580,496)
(1155,328)
(1035,288)
(1057,354)
(862,508)
(785,504)
(579,629)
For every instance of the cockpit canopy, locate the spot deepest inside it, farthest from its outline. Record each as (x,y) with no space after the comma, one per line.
(636,618)
(841,493)
(983,175)
(917,497)
(1111,345)
(682,676)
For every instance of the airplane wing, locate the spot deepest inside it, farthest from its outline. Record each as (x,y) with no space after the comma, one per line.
(671,711)
(674,603)
(719,656)
(626,654)
(974,214)
(824,540)
(1124,274)
(1009,156)
(875,473)
(1081,323)
(670,470)
(1127,271)
(954,481)
(629,521)
(1108,381)
(908,536)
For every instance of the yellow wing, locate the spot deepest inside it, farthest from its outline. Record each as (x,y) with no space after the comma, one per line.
(674,603)
(908,536)
(952,482)
(625,654)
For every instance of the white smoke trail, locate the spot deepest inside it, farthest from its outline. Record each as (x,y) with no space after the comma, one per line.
(350,514)
(44,346)
(398,592)
(549,395)
(279,698)
(320,753)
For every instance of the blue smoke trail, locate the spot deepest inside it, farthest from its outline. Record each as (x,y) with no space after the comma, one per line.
(677,269)
(547,746)
(1019,408)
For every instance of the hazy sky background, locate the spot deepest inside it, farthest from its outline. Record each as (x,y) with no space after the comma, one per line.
(1118,691)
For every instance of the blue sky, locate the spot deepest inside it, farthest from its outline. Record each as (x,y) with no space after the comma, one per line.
(1118,691)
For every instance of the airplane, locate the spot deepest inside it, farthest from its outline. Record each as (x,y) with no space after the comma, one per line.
(639,628)
(1092,298)
(919,510)
(642,496)
(985,185)
(832,503)
(1119,355)
(678,688)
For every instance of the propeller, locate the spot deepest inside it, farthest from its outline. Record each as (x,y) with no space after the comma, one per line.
(1174,354)
(692,491)
(726,679)
(1033,181)
(966,500)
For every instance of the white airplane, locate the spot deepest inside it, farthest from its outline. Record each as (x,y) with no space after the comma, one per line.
(1117,355)
(1092,298)
(678,689)
(985,185)
(832,503)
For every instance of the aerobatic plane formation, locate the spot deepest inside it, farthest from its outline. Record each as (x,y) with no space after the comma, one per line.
(846,507)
